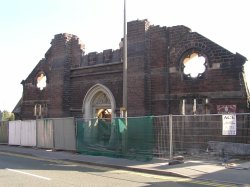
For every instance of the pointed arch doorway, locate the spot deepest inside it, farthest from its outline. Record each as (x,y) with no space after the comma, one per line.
(98,111)
(99,102)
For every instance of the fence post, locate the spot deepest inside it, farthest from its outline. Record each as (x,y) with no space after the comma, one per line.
(125,132)
(76,133)
(170,137)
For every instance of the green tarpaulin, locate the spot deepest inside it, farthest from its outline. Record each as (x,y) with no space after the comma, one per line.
(116,138)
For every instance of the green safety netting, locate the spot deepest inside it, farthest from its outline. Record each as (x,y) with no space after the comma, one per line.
(116,138)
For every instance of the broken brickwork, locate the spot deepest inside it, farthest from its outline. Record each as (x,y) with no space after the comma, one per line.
(157,84)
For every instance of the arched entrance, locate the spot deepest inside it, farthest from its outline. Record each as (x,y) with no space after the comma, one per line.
(99,102)
(98,110)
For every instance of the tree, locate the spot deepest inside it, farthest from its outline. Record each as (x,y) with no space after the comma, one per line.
(7,116)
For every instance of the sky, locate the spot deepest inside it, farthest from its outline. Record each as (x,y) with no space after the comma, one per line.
(28,26)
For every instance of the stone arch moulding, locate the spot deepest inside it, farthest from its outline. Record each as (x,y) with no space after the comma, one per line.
(90,95)
(198,47)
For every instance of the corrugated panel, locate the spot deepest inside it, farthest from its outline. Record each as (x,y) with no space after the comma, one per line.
(15,132)
(4,133)
(64,133)
(45,138)
(28,133)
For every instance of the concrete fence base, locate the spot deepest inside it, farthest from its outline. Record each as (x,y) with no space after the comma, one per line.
(230,148)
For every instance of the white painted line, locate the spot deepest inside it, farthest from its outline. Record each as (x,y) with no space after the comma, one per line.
(25,173)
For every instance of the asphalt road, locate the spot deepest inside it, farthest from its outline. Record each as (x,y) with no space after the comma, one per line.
(21,170)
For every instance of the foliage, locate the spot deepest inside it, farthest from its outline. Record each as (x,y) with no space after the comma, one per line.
(7,116)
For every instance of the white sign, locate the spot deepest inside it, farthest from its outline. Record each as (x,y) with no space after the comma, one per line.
(229,124)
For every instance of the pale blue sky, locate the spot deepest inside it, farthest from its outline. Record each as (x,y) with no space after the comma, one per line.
(28,26)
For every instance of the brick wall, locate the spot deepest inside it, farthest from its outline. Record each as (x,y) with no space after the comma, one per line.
(65,51)
(156,83)
(221,83)
(137,68)
(158,42)
(82,79)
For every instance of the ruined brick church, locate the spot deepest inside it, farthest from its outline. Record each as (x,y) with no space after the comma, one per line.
(162,79)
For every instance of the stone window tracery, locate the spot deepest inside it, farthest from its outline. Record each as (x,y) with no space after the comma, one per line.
(101,99)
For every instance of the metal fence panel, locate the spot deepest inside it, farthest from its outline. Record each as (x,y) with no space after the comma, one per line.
(4,131)
(161,136)
(64,133)
(193,133)
(45,137)
(28,133)
(15,132)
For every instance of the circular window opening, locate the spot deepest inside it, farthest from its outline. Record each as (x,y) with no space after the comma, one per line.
(194,65)
(41,81)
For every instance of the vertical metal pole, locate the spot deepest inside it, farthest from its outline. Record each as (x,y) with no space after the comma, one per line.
(170,137)
(76,134)
(125,66)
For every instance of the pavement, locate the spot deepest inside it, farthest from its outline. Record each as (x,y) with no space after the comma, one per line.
(236,172)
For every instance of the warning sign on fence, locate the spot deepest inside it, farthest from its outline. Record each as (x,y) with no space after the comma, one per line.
(229,124)
(226,109)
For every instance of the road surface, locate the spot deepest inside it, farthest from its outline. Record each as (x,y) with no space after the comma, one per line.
(23,170)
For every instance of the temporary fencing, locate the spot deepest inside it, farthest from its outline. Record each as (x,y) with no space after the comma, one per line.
(134,137)
(56,133)
(64,133)
(4,132)
(28,133)
(119,137)
(15,132)
(45,136)
(193,133)
(22,133)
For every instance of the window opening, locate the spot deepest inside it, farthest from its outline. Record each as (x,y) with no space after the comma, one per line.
(194,65)
(40,110)
(41,81)
(192,106)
